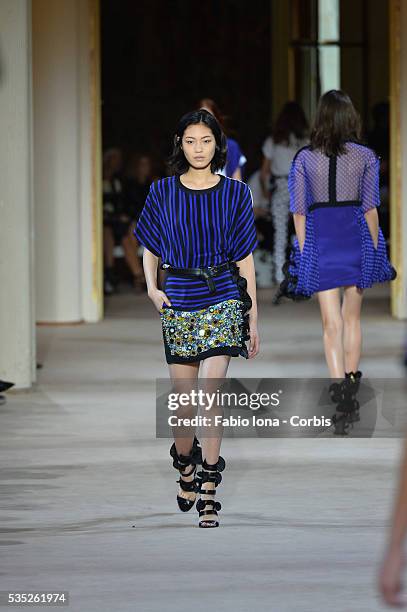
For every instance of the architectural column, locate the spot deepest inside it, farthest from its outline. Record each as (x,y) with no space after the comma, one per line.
(398,153)
(67,181)
(282,86)
(17,341)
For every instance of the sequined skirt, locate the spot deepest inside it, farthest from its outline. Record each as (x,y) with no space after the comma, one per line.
(219,329)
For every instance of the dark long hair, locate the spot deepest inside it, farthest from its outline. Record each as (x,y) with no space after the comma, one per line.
(291,120)
(177,160)
(336,121)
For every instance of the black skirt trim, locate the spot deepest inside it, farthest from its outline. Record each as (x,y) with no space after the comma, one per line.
(233,351)
(247,303)
(288,286)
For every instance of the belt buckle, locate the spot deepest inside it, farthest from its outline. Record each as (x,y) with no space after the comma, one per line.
(212,270)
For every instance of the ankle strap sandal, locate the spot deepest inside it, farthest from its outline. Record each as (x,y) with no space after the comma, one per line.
(209,473)
(351,404)
(348,405)
(343,394)
(336,392)
(181,463)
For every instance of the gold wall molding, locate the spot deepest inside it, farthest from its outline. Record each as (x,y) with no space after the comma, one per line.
(96,148)
(396,253)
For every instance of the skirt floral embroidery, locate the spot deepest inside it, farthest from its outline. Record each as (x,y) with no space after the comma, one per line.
(194,335)
(219,329)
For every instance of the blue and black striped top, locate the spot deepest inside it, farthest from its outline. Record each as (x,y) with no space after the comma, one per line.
(198,228)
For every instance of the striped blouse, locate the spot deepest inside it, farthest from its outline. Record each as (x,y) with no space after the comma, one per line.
(198,228)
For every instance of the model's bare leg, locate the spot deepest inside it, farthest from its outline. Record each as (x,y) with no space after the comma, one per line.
(212,368)
(352,333)
(182,376)
(108,246)
(332,324)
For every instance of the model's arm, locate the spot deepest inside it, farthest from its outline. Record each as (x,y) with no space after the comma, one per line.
(391,569)
(150,265)
(297,187)
(247,270)
(370,194)
(299,224)
(237,174)
(372,220)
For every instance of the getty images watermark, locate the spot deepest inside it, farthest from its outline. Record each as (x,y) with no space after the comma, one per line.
(280,407)
(209,401)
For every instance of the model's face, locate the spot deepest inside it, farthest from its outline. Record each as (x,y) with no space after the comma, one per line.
(198,144)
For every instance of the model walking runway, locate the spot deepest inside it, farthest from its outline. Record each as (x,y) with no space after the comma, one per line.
(202,226)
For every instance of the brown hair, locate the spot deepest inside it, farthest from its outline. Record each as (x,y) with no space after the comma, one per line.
(336,121)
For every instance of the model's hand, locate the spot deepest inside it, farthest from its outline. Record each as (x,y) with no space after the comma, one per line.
(158,297)
(390,578)
(254,342)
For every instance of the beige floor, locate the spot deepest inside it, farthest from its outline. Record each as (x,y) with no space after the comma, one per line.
(88,493)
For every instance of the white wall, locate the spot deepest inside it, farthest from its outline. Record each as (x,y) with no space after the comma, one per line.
(398,165)
(17,342)
(67,241)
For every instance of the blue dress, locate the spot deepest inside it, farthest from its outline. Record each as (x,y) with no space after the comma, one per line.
(334,193)
(195,228)
(235,158)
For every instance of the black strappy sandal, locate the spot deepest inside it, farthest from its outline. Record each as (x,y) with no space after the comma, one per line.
(353,384)
(348,406)
(339,395)
(209,473)
(336,391)
(181,462)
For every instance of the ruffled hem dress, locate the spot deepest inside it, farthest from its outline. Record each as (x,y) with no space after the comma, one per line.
(205,228)
(334,193)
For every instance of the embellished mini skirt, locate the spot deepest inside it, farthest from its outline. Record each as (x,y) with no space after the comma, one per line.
(219,329)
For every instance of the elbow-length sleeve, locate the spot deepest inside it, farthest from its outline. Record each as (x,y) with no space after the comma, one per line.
(370,189)
(243,232)
(297,187)
(147,230)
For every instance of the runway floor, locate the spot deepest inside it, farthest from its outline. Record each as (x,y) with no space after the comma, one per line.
(88,493)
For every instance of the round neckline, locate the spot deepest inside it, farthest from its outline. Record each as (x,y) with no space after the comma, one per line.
(207,190)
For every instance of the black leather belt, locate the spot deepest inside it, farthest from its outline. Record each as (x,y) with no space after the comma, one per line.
(334,204)
(206,273)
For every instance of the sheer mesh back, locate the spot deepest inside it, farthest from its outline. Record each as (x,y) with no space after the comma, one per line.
(357,178)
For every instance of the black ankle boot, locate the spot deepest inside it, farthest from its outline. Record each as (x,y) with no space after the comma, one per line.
(349,404)
(344,395)
(180,463)
(210,473)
